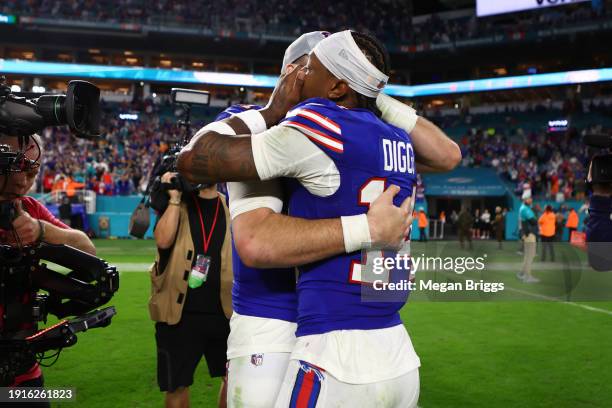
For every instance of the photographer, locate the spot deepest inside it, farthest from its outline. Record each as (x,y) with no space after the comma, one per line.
(599,225)
(191,289)
(32,224)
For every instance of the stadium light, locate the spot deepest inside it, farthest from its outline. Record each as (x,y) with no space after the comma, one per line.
(52,69)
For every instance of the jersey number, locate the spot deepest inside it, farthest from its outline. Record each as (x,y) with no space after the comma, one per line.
(368,193)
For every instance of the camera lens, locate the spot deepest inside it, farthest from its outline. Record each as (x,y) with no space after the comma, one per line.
(52,108)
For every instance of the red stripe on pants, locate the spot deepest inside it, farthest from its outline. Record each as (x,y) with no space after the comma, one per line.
(306,390)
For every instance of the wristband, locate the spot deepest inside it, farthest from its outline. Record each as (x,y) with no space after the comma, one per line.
(175,202)
(253,120)
(356,232)
(396,113)
(219,127)
(41,231)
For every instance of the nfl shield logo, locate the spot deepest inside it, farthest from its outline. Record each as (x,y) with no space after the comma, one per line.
(257,359)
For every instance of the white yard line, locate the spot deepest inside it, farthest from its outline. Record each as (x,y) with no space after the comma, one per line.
(132,266)
(550,298)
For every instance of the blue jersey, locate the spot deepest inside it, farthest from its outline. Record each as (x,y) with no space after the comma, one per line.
(235,109)
(267,293)
(370,156)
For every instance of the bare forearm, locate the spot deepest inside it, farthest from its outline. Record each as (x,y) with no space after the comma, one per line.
(165,231)
(424,168)
(434,151)
(211,157)
(276,240)
(74,238)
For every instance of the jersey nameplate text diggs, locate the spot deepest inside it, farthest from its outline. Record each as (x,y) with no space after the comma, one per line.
(398,156)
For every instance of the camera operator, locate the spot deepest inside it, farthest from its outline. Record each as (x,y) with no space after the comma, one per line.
(191,289)
(599,225)
(32,224)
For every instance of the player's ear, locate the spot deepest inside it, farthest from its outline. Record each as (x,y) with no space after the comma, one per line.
(338,90)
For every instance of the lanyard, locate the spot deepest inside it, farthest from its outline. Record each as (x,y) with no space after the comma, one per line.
(212,228)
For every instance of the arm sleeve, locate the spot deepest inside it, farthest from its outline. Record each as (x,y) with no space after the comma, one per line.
(245,197)
(282,151)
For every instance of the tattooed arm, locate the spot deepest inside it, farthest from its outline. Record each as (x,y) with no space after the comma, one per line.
(211,157)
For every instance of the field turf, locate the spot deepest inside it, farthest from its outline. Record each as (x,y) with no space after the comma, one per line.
(526,351)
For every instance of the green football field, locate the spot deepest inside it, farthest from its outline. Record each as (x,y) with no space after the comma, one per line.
(525,350)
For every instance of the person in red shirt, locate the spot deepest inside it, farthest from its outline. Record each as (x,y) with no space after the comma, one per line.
(33,224)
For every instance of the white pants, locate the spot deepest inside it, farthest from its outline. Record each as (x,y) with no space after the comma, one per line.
(307,386)
(254,381)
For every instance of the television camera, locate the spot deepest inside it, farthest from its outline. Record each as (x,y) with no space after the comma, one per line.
(89,283)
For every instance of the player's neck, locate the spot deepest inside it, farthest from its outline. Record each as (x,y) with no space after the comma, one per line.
(348,100)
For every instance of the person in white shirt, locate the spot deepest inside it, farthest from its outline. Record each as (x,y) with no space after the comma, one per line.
(485,218)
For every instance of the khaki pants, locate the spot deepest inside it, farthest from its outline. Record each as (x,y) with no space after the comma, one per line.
(529,252)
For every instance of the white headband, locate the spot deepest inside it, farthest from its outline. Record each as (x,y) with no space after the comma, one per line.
(340,54)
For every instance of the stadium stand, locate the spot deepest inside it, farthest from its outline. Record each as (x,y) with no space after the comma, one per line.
(391,20)
(518,145)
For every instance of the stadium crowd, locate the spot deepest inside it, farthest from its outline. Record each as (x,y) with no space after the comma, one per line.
(389,20)
(119,163)
(536,163)
(550,167)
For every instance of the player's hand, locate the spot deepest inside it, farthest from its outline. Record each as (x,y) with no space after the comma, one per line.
(167,178)
(26,227)
(390,225)
(286,95)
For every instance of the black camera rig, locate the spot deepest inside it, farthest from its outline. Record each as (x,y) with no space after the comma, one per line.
(89,283)
(23,114)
